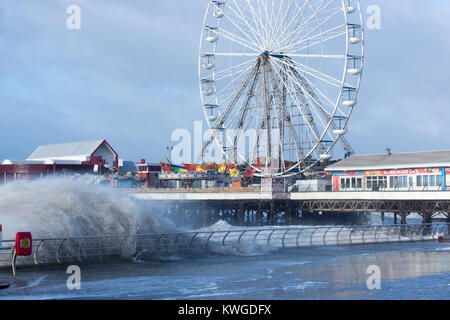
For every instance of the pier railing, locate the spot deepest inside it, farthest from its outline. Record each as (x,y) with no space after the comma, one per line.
(239,241)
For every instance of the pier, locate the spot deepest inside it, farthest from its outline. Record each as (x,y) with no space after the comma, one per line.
(252,207)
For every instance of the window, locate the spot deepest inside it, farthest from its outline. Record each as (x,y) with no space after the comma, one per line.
(419,181)
(359,183)
(347,183)
(396,182)
(342,184)
(425,181)
(391,182)
(439,181)
(353,183)
(432,181)
(384,182)
(411,183)
(405,182)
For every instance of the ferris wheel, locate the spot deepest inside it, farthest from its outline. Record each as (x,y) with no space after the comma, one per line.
(279,80)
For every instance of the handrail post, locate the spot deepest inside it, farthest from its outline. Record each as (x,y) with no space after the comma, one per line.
(387,234)
(57,251)
(311,238)
(325,236)
(225,237)
(363,235)
(376,233)
(298,236)
(350,236)
(338,234)
(79,250)
(282,240)
(270,235)
(192,241)
(35,254)
(239,239)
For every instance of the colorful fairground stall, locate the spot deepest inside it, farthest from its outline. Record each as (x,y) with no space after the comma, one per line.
(207,175)
(416,171)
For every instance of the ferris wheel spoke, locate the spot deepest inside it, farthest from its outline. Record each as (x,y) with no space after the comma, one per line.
(223,116)
(322,56)
(274,21)
(237,39)
(288,9)
(304,85)
(263,24)
(233,82)
(328,117)
(257,22)
(278,22)
(308,94)
(320,42)
(233,54)
(253,29)
(311,89)
(295,30)
(315,73)
(291,37)
(316,28)
(299,13)
(230,72)
(330,34)
(253,39)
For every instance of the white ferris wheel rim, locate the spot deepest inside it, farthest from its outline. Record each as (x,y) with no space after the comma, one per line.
(255,52)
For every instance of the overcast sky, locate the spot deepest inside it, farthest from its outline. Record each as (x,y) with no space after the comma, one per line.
(130,76)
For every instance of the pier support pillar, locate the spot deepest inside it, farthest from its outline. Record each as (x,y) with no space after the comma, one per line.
(382,218)
(427,220)
(395,218)
(272,213)
(241,214)
(259,216)
(204,215)
(403,218)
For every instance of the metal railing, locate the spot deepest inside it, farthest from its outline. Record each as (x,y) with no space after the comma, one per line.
(239,241)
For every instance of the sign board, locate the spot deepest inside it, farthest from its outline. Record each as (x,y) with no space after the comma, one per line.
(403,172)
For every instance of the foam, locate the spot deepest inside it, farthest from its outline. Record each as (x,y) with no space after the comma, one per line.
(65,208)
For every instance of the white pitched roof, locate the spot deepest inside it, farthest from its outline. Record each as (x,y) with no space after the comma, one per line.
(71,149)
(425,159)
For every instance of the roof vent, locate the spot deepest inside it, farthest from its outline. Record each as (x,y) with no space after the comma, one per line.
(388,151)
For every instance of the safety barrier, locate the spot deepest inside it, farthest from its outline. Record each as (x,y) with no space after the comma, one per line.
(102,248)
